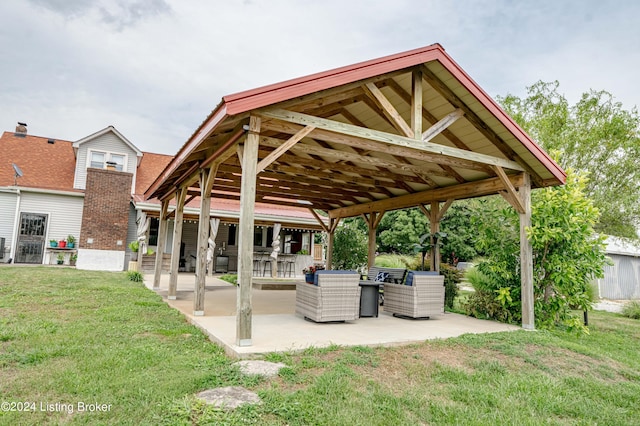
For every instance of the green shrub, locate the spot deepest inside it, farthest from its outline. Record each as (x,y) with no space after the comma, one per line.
(632,309)
(230,278)
(392,261)
(135,276)
(491,299)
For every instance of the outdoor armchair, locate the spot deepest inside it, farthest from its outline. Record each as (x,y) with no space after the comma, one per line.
(334,296)
(421,297)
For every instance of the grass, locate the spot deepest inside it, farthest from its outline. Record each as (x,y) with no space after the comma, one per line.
(70,336)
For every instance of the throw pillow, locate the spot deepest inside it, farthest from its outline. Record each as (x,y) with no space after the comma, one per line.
(382,276)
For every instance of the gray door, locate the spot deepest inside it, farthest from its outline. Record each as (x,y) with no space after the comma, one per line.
(33,228)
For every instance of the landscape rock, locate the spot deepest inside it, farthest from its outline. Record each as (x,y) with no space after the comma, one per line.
(229,397)
(262,368)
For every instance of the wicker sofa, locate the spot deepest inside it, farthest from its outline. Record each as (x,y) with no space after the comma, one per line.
(334,296)
(421,297)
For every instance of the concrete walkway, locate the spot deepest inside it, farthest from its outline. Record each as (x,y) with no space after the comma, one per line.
(276,328)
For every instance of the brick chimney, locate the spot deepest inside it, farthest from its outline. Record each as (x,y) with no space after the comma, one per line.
(21,129)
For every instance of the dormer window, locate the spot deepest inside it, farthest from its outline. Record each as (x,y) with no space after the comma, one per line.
(99,160)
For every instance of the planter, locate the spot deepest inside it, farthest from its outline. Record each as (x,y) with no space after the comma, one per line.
(308,278)
(62,244)
(60,262)
(134,256)
(71,245)
(53,243)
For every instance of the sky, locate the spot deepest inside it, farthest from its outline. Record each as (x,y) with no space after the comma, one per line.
(155,69)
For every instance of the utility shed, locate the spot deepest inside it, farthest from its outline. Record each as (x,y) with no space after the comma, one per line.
(622,279)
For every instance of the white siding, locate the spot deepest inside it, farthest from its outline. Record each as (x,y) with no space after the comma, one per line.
(108,142)
(64,213)
(7,220)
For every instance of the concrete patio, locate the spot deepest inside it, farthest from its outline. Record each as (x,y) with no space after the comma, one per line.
(276,328)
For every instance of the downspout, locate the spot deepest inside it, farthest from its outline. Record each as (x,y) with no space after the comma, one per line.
(14,237)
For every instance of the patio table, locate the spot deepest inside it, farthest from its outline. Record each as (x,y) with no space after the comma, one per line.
(369,298)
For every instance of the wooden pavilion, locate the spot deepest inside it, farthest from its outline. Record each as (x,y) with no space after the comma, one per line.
(406,130)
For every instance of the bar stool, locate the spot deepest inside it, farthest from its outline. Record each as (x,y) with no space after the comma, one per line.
(267,259)
(257,263)
(289,265)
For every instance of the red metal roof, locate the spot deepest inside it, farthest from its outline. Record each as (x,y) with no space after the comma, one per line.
(272,94)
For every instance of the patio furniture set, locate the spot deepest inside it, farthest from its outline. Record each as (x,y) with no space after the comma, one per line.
(343,296)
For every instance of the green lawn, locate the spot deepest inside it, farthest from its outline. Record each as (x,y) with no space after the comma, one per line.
(69,338)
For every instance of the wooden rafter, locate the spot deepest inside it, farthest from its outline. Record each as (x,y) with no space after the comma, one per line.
(438,153)
(477,122)
(388,109)
(279,151)
(445,122)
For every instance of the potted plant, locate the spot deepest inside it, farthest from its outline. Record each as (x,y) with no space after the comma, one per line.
(73,259)
(60,258)
(309,273)
(53,243)
(71,241)
(62,244)
(133,246)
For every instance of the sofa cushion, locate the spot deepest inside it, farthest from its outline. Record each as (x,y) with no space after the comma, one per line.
(409,280)
(330,272)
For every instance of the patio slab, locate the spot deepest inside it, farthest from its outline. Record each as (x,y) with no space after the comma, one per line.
(276,328)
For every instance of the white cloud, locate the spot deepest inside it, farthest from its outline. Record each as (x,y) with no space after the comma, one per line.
(156,68)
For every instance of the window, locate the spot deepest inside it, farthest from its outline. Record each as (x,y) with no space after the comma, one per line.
(257,237)
(99,159)
(232,235)
(119,160)
(153,231)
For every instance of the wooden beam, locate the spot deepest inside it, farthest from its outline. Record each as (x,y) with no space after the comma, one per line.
(333,224)
(207,177)
(467,190)
(244,309)
(511,195)
(526,256)
(181,194)
(265,162)
(445,122)
(388,109)
(444,208)
(440,153)
(416,102)
(476,121)
(320,221)
(162,241)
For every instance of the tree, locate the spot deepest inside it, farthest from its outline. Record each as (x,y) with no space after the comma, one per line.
(399,230)
(350,245)
(567,256)
(596,135)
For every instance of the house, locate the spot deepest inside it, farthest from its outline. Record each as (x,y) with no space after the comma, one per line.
(92,189)
(622,278)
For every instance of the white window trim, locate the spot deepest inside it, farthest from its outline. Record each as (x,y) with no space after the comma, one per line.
(108,155)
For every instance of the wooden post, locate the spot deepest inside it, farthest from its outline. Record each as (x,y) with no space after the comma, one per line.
(244,309)
(207,176)
(434,223)
(526,256)
(373,220)
(416,103)
(181,195)
(333,224)
(162,241)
